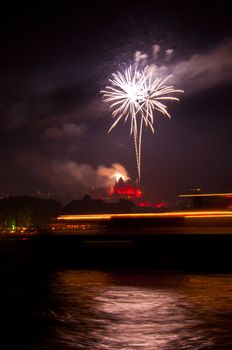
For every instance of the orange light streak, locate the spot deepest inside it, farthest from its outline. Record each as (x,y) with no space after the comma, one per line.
(209,216)
(190,214)
(206,195)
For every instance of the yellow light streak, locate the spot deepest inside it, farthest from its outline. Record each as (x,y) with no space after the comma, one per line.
(206,195)
(190,214)
(209,216)
(84,217)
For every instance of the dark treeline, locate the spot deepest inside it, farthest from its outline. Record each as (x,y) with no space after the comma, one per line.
(26,211)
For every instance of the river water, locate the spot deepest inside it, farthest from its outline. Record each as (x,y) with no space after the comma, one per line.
(73,308)
(102,310)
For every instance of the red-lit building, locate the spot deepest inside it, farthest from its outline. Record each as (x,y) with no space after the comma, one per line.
(130,191)
(125,190)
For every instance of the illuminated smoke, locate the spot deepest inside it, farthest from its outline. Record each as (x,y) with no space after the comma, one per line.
(113,173)
(85,175)
(156,50)
(70,177)
(168,54)
(139,56)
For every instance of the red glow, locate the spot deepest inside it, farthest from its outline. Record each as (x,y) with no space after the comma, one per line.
(128,190)
(123,188)
(145,204)
(161,205)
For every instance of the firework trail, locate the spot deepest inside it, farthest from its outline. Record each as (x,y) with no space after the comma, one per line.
(137,94)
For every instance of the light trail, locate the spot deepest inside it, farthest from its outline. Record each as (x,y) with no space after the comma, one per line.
(206,195)
(190,214)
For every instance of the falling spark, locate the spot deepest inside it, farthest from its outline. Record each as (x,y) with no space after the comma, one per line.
(137,94)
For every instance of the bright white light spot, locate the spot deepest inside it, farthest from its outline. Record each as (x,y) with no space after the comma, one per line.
(117,176)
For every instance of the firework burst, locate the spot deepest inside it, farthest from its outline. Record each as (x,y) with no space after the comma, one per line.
(136,94)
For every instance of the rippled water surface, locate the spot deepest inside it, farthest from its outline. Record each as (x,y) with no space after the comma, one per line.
(102,310)
(69,308)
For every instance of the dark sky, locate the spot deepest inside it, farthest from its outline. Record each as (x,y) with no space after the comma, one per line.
(56,58)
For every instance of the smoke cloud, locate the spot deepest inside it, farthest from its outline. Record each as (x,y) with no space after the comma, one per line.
(198,72)
(112,173)
(206,70)
(66,130)
(67,176)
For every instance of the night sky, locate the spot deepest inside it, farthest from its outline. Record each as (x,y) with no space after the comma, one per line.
(56,58)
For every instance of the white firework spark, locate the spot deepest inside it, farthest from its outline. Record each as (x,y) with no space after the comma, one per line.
(137,94)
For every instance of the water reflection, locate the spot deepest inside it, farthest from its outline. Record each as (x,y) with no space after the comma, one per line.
(98,310)
(145,319)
